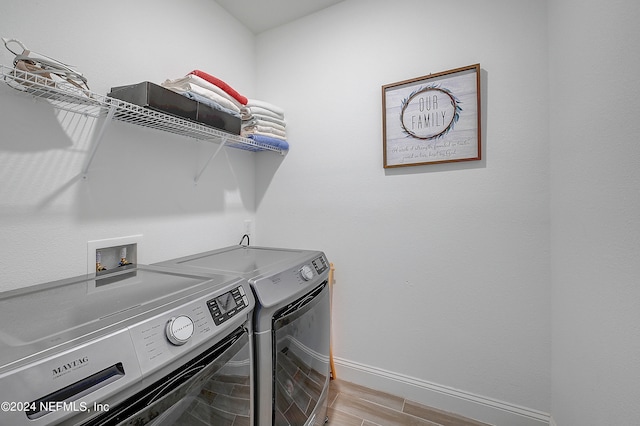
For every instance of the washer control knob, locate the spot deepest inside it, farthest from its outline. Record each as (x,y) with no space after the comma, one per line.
(179,330)
(306,272)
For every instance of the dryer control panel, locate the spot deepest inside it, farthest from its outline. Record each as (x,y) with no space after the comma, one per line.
(320,264)
(227,305)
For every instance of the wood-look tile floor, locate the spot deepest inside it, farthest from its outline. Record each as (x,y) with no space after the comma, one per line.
(354,405)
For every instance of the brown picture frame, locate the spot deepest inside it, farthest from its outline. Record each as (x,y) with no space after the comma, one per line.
(432,119)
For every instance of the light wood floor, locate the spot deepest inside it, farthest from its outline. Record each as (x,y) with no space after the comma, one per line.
(354,405)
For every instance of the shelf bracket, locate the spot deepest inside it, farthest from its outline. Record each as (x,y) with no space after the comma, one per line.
(214,155)
(97,138)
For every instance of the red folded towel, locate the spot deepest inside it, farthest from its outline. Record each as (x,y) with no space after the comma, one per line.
(221,84)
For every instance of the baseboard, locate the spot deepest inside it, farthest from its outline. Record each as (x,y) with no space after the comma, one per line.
(552,422)
(474,406)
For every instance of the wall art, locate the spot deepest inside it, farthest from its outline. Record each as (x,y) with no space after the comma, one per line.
(432,119)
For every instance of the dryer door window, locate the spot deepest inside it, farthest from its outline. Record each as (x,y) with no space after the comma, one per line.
(301,357)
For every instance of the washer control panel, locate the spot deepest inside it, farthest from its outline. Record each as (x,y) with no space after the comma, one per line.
(177,330)
(227,305)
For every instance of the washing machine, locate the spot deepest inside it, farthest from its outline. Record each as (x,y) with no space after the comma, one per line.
(142,346)
(291,325)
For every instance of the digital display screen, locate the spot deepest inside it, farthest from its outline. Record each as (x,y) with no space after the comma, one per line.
(320,265)
(226,302)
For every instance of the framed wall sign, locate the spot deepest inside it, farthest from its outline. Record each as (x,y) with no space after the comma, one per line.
(432,119)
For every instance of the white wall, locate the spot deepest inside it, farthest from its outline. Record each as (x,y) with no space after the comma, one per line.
(141,181)
(595,211)
(442,270)
(448,264)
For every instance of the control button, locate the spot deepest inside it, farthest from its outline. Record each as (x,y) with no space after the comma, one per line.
(241,290)
(306,273)
(179,330)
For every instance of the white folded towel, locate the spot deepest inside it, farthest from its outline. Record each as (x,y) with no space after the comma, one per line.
(266,105)
(268,119)
(245,134)
(265,129)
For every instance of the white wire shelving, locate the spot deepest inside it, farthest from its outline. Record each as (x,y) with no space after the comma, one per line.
(65,96)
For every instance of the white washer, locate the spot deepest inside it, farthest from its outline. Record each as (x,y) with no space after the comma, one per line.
(291,327)
(145,345)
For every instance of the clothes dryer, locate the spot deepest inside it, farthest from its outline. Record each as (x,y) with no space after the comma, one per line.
(143,346)
(291,327)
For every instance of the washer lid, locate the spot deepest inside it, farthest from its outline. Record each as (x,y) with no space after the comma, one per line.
(37,319)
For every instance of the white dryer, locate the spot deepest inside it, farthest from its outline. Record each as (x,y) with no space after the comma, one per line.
(291,327)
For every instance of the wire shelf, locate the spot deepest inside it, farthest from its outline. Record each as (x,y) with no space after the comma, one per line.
(65,96)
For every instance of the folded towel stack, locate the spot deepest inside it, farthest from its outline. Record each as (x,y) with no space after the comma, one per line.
(264,123)
(208,90)
(261,121)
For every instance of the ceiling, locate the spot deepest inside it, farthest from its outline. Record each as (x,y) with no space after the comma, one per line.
(262,15)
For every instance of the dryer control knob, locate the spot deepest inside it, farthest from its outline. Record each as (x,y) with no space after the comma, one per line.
(179,330)
(306,272)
